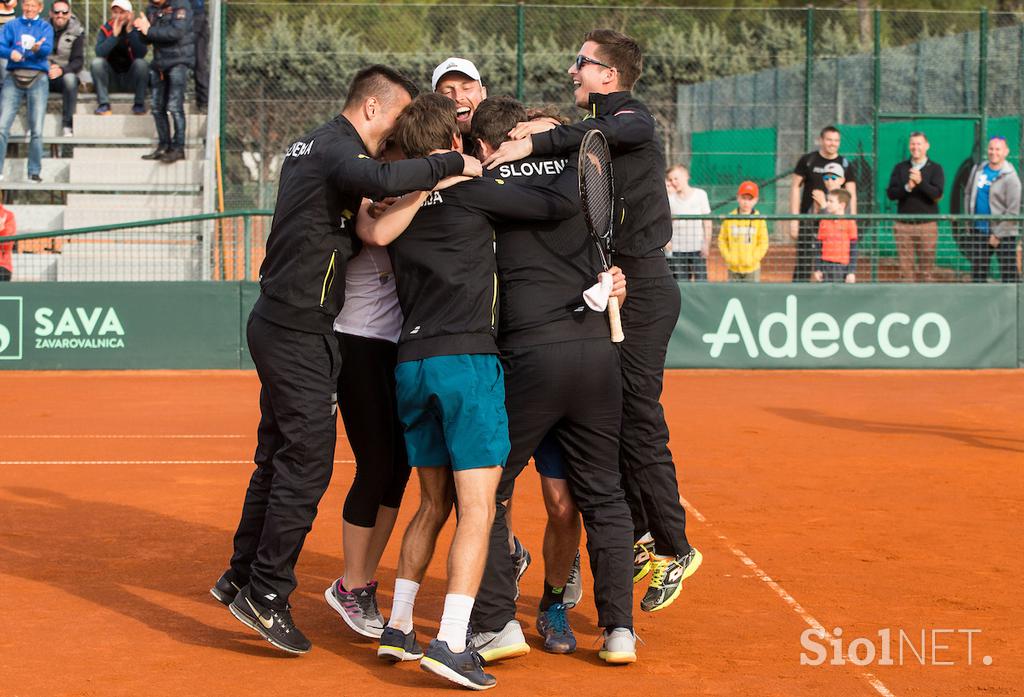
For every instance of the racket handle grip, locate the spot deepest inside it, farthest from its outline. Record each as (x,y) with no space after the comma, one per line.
(614,320)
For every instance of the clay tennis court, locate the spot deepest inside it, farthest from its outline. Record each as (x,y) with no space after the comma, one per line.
(858,500)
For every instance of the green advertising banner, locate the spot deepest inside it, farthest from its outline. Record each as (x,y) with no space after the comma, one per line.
(118,325)
(721,325)
(247,298)
(846,326)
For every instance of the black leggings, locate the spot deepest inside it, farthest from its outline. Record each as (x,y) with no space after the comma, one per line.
(366,398)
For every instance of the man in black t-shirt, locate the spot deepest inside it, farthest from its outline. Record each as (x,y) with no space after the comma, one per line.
(808,176)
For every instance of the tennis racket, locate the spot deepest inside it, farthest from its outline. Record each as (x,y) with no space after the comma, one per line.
(597,197)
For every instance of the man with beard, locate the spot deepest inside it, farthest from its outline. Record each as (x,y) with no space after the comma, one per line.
(605,69)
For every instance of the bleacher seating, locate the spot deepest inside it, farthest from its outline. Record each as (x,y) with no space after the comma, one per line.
(97,177)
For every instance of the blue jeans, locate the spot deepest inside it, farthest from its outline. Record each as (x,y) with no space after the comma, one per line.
(10,101)
(108,80)
(67,84)
(168,95)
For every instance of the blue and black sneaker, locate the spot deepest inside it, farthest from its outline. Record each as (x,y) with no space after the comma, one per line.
(553,625)
(396,646)
(465,668)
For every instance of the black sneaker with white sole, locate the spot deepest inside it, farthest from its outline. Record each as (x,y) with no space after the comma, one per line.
(396,646)
(274,625)
(225,590)
(464,668)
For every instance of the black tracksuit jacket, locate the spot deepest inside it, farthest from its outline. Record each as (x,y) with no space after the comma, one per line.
(445,268)
(325,176)
(544,266)
(643,221)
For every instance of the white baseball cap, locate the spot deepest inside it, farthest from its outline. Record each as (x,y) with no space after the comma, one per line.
(454,65)
(123,4)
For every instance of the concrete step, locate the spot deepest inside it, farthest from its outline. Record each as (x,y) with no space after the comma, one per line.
(128,125)
(168,202)
(137,172)
(118,106)
(34,267)
(19,130)
(52,170)
(83,260)
(40,218)
(109,154)
(89,217)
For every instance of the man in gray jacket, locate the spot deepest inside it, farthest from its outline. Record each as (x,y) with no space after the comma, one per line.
(67,59)
(993,189)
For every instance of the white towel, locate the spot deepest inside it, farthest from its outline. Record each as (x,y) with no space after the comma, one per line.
(596,296)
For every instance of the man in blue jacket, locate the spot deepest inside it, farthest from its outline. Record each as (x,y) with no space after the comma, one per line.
(26,43)
(167,25)
(120,64)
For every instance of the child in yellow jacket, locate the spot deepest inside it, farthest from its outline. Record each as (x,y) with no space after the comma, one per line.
(743,243)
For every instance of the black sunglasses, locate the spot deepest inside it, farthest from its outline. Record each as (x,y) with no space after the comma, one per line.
(60,12)
(582,60)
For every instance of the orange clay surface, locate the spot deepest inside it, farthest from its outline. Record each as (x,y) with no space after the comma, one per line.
(860,500)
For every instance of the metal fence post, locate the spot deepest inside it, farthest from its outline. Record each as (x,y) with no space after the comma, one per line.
(808,75)
(247,222)
(983,79)
(1020,96)
(876,106)
(520,50)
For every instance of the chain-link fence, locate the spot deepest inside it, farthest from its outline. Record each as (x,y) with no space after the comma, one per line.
(217,246)
(739,94)
(856,249)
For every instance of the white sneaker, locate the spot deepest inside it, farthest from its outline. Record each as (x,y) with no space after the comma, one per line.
(496,646)
(619,646)
(68,133)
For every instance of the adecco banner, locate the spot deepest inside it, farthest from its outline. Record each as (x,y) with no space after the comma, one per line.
(846,326)
(119,325)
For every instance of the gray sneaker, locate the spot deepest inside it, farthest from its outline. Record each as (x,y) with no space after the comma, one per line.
(619,646)
(358,607)
(497,646)
(520,562)
(574,586)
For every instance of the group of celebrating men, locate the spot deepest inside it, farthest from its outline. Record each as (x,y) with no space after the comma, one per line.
(452,306)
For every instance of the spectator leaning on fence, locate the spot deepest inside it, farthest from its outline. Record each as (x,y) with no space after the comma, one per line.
(916,185)
(807,178)
(67,59)
(120,63)
(167,25)
(743,242)
(993,189)
(26,43)
(688,251)
(7,228)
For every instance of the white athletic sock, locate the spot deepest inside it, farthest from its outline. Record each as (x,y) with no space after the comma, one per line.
(455,620)
(401,608)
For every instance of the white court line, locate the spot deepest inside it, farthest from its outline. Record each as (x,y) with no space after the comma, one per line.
(139,462)
(877,684)
(113,436)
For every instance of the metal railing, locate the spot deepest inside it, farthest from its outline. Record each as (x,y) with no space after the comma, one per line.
(889,248)
(230,246)
(211,246)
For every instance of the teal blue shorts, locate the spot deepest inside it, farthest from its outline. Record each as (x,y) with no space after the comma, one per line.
(453,411)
